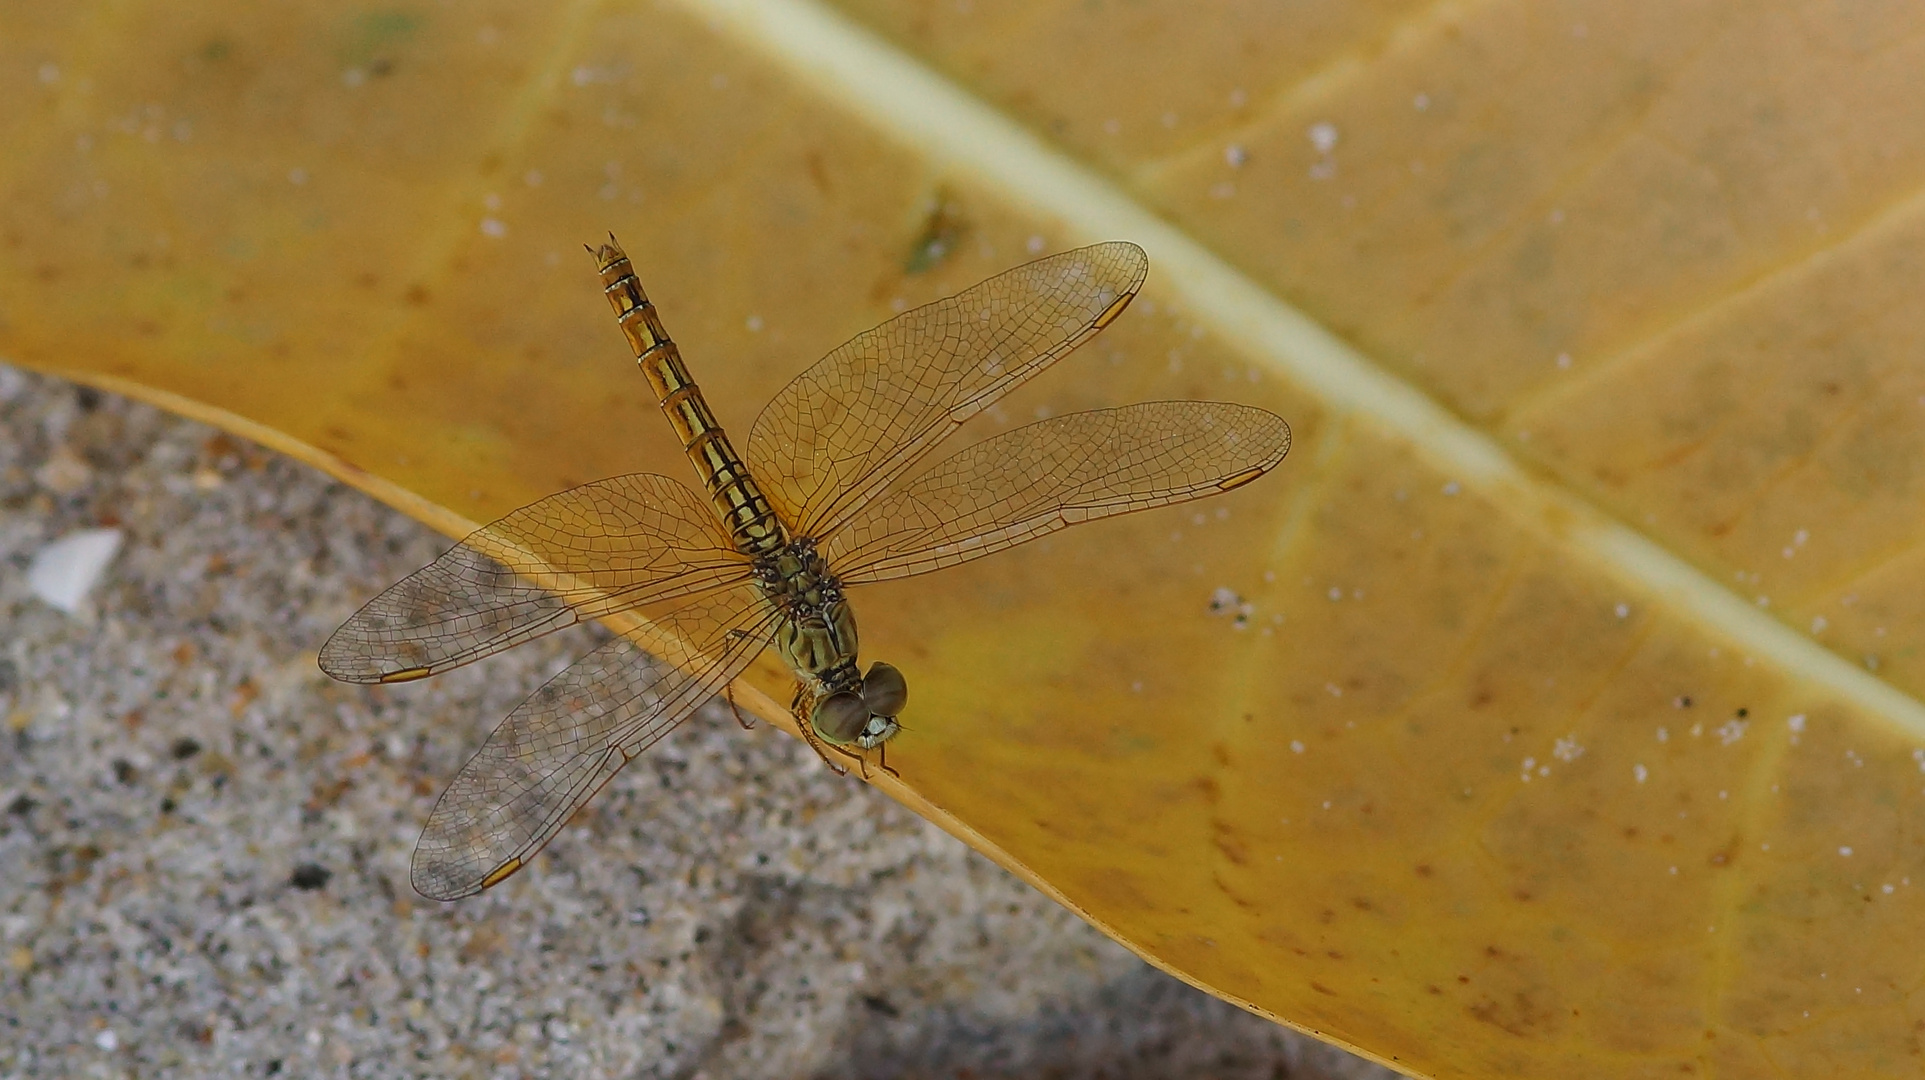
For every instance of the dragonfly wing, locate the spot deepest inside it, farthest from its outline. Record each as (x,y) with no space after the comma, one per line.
(559,747)
(1046,476)
(586,552)
(863,415)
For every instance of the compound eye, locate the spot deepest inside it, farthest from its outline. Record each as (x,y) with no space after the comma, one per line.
(885,690)
(839,718)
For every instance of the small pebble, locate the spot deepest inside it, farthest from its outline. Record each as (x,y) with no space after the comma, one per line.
(63,572)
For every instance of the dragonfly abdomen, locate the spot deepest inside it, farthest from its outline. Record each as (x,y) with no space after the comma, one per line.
(745,511)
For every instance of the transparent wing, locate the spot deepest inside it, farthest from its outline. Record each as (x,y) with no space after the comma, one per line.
(867,412)
(583,553)
(559,747)
(1034,480)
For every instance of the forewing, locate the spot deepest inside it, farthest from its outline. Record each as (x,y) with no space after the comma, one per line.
(586,552)
(867,412)
(559,747)
(1034,480)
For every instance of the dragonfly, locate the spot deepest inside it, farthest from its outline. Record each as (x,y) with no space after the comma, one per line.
(825,497)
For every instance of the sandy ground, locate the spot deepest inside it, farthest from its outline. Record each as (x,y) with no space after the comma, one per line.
(204,843)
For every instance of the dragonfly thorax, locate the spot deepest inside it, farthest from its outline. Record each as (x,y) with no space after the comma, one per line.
(817,633)
(817,639)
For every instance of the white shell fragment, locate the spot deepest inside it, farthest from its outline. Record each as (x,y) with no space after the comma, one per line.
(64,571)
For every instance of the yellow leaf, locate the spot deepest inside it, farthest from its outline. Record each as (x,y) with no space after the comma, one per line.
(1558,714)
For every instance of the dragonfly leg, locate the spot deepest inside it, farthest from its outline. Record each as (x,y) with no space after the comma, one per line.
(805,725)
(861,759)
(728,695)
(882,760)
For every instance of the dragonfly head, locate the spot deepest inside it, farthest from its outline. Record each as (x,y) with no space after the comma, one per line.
(866,718)
(840,718)
(884,690)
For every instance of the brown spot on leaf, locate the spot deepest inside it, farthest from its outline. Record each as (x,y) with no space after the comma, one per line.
(818,172)
(1521,1016)
(1212,791)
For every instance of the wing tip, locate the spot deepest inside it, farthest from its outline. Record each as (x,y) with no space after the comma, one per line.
(1281,440)
(446,884)
(343,664)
